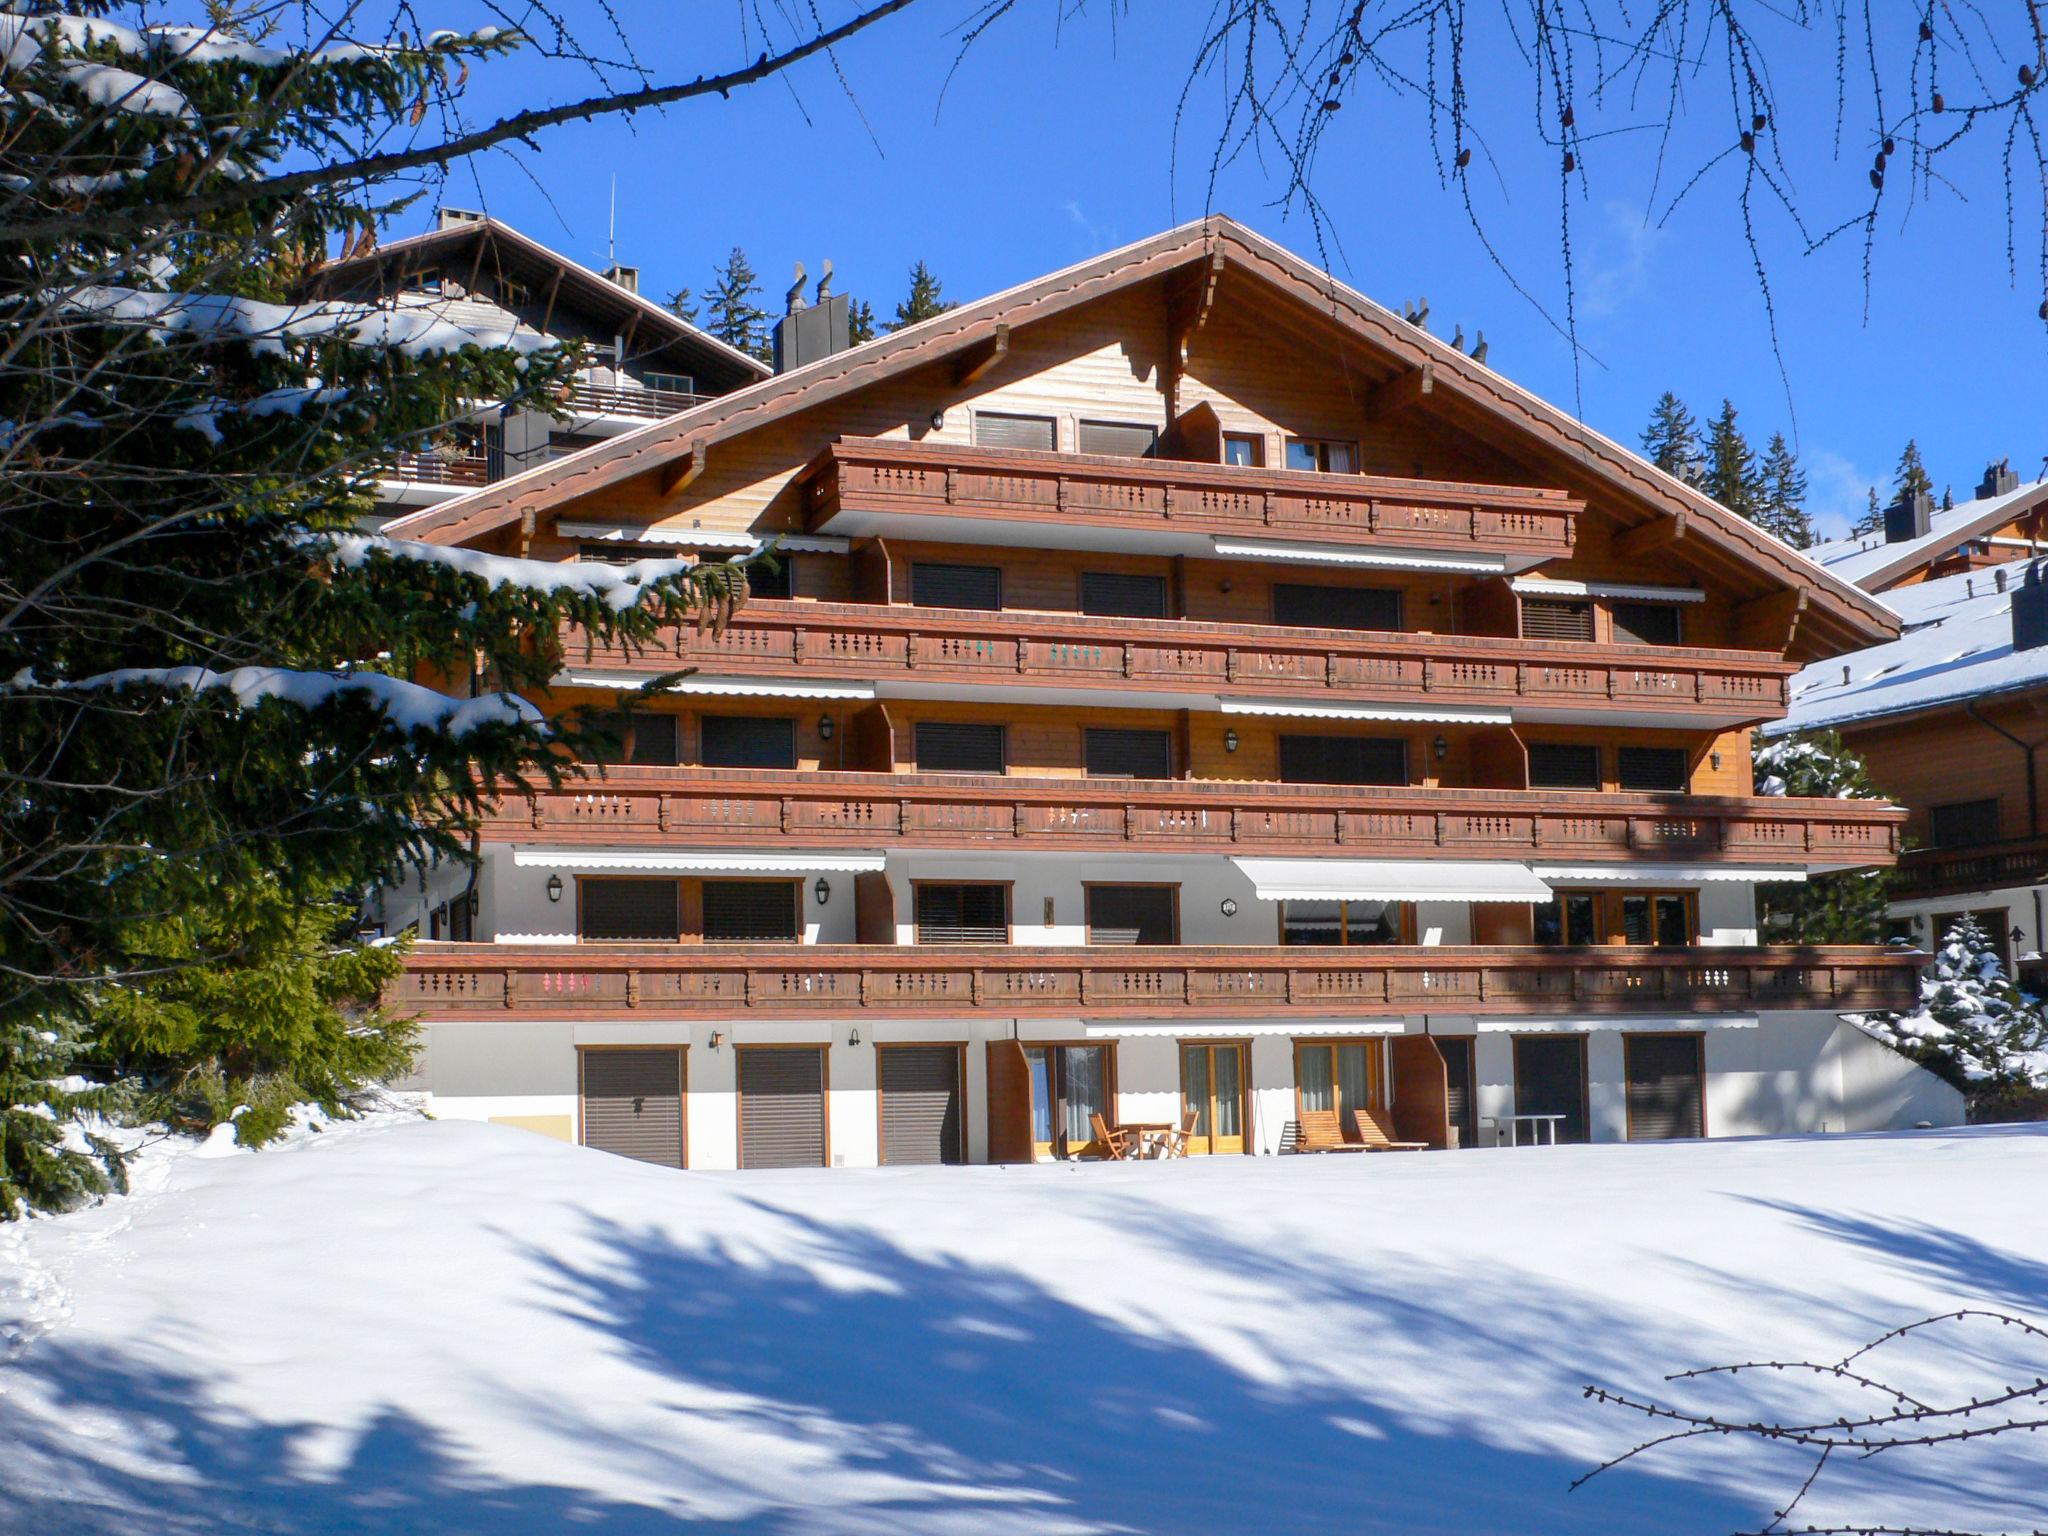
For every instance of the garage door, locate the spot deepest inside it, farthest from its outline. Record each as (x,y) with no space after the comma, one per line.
(921,1111)
(782,1108)
(633,1104)
(1666,1087)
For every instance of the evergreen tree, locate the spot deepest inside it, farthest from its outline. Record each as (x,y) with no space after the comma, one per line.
(1844,908)
(1872,520)
(923,300)
(1672,440)
(210,728)
(683,304)
(860,321)
(1911,475)
(1972,1025)
(731,313)
(1781,506)
(1730,472)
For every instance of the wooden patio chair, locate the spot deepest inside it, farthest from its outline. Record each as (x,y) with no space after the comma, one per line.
(1175,1143)
(1321,1131)
(1375,1135)
(1117,1144)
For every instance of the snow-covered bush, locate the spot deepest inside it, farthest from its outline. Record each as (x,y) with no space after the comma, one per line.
(1972,1025)
(1844,908)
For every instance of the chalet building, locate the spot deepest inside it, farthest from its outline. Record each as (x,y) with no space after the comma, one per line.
(2004,521)
(482,274)
(1188,689)
(1951,719)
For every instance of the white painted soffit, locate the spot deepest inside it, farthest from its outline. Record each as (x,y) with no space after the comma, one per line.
(1668,874)
(1338,554)
(1414,714)
(1548,586)
(1391,880)
(699,538)
(835,862)
(1237,1029)
(1681,1023)
(724,687)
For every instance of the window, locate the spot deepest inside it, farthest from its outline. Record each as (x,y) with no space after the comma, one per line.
(1339,1076)
(992,429)
(1662,768)
(1133,914)
(1113,595)
(1560,765)
(1243,449)
(1316,453)
(1119,439)
(648,741)
(1550,1079)
(1569,919)
(674,383)
(1658,918)
(752,911)
(1316,607)
(956,586)
(963,914)
(1342,922)
(742,741)
(437,920)
(1549,618)
(1647,623)
(772,577)
(1125,754)
(622,553)
(958,746)
(619,909)
(462,918)
(430,280)
(1070,1084)
(1343,760)
(1963,822)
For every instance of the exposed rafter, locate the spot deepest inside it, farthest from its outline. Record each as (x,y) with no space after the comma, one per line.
(1402,392)
(1655,534)
(982,356)
(680,474)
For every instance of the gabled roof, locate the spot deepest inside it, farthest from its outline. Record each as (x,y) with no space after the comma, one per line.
(1956,645)
(523,256)
(1873,564)
(1845,615)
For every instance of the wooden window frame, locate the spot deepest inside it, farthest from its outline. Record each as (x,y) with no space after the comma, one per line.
(1007,887)
(1585,1072)
(739,1097)
(1379,1074)
(1599,783)
(1257,443)
(682,1084)
(1470,1042)
(1628,1038)
(1406,925)
(1112,1088)
(1089,887)
(881,1111)
(796,887)
(1599,921)
(675,881)
(1617,922)
(1614,611)
(1527,600)
(1243,1046)
(1621,751)
(974,419)
(1083,423)
(1934,840)
(1321,447)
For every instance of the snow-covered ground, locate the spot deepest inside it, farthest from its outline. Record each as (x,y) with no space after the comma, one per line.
(397,1326)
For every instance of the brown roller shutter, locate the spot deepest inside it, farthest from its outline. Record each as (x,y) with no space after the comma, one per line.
(933,585)
(633,1104)
(619,909)
(921,1109)
(995,430)
(1545,618)
(1127,754)
(1118,439)
(1666,1087)
(782,1108)
(1117,595)
(959,746)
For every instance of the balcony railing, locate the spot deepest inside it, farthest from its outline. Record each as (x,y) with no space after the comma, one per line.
(456,980)
(605,400)
(871,643)
(726,808)
(436,468)
(1982,867)
(887,475)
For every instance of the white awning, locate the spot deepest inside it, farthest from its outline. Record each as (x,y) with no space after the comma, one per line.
(730,687)
(699,538)
(834,861)
(1683,1023)
(1411,713)
(1391,880)
(1238,1029)
(1339,554)
(1550,586)
(1665,874)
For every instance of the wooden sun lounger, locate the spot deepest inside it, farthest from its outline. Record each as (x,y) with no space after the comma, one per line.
(1321,1131)
(1375,1135)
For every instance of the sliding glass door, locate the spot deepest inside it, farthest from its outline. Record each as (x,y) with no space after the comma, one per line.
(1340,1075)
(1212,1089)
(1070,1084)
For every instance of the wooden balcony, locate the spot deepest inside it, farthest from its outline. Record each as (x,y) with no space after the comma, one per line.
(894,477)
(1925,872)
(649,404)
(1128,658)
(443,981)
(463,469)
(762,808)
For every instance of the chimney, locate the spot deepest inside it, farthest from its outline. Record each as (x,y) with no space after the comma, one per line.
(810,331)
(2000,479)
(2030,611)
(454,218)
(627,278)
(1910,517)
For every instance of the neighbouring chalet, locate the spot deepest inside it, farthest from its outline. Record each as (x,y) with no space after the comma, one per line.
(1951,719)
(1189,690)
(2003,521)
(480,273)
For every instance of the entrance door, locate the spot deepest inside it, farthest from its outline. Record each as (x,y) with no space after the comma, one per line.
(920,1105)
(1667,1087)
(633,1104)
(1212,1088)
(782,1107)
(1550,1079)
(1069,1085)
(1457,1051)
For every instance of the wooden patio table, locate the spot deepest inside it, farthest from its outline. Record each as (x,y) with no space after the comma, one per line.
(1151,1134)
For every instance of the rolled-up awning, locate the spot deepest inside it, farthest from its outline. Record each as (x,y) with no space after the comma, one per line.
(1416,714)
(1666,874)
(1374,559)
(725,687)
(1391,880)
(833,862)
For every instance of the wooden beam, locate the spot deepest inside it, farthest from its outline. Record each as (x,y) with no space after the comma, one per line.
(1655,534)
(547,316)
(679,474)
(1189,300)
(1770,622)
(982,356)
(1400,393)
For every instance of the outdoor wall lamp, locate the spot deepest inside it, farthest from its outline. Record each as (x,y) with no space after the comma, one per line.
(554,887)
(854,1038)
(1230,906)
(825,728)
(1715,759)
(938,421)
(1441,748)
(1230,741)
(716,1039)
(822,890)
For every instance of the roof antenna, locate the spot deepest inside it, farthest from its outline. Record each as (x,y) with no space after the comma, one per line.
(611,233)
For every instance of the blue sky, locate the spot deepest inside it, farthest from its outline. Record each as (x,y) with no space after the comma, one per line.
(1055,142)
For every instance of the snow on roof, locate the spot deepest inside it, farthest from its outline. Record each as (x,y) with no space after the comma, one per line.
(1956,644)
(1856,558)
